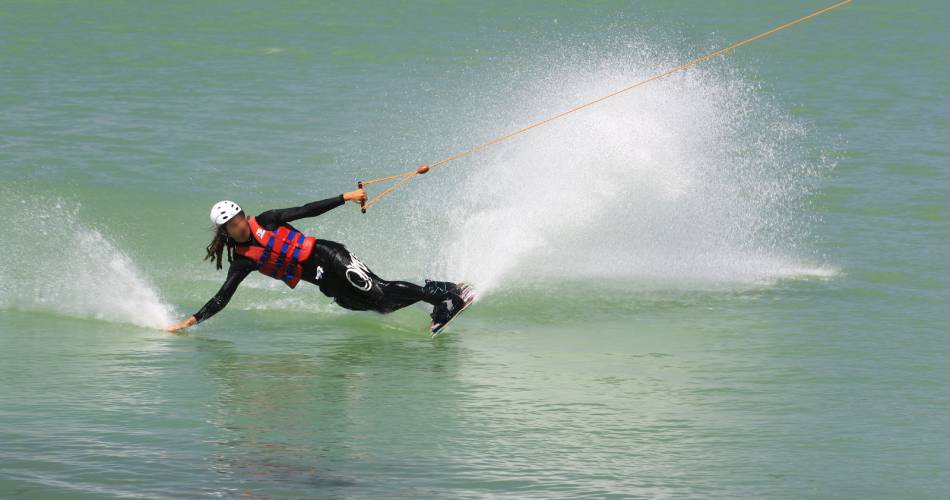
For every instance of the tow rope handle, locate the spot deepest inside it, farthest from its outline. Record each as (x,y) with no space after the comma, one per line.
(402,179)
(359,185)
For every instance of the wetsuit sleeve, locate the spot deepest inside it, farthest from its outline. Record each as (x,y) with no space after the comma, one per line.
(280,216)
(236,274)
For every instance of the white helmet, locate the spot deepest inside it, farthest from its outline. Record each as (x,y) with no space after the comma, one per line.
(224,211)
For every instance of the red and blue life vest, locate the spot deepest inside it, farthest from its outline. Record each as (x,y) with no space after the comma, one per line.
(280,253)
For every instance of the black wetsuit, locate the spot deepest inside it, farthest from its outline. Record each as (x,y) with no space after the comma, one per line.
(330,266)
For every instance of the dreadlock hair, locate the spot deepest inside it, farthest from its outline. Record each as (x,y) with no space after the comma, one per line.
(217,246)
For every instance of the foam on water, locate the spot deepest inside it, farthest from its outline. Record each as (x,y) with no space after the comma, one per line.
(697,180)
(61,266)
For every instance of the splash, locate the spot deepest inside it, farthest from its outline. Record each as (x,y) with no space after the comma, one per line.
(59,265)
(697,180)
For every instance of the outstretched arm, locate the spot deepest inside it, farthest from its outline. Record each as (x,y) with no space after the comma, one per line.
(236,274)
(280,216)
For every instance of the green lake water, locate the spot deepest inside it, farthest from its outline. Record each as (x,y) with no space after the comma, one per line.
(731,283)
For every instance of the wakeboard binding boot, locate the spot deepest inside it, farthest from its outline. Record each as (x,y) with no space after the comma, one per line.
(453,299)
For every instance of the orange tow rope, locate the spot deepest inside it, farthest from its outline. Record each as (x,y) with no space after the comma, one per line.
(403,178)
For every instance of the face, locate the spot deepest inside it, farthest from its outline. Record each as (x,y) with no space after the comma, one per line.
(238,229)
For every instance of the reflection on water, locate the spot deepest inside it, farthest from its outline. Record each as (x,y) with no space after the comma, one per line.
(309,415)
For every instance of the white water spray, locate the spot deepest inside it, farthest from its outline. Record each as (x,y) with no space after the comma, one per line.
(61,266)
(698,180)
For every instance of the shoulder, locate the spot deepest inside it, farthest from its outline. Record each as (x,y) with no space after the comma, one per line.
(240,261)
(241,265)
(268,220)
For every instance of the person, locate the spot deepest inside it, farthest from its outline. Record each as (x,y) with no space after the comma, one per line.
(269,244)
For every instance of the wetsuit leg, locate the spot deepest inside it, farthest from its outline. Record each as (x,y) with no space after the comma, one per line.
(399,294)
(354,286)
